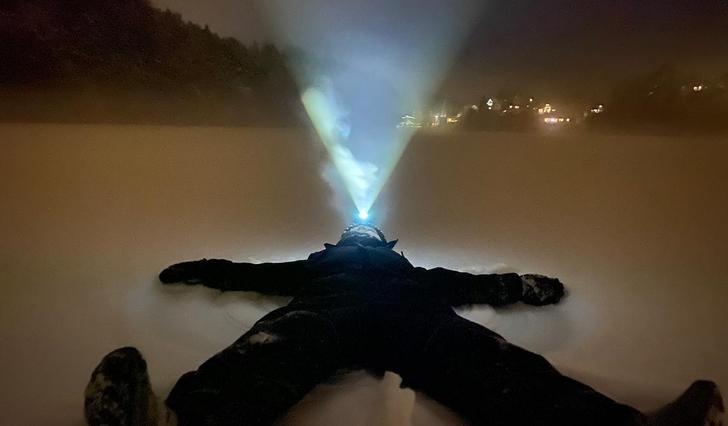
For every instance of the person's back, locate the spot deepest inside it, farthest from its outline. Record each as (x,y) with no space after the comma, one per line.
(358,270)
(360,305)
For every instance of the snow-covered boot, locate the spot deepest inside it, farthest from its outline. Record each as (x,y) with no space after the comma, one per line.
(700,405)
(119,393)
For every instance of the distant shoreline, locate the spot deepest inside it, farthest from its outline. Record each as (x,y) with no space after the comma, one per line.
(422,132)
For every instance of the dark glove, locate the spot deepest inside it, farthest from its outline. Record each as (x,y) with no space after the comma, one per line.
(203,271)
(539,290)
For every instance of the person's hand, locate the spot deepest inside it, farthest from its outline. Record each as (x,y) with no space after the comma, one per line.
(195,272)
(539,290)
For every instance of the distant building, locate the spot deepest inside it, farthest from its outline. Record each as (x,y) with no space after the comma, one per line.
(546,110)
(521,102)
(409,121)
(597,109)
(517,103)
(438,119)
(594,110)
(491,104)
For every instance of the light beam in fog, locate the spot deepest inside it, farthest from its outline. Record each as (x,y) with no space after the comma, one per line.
(362,65)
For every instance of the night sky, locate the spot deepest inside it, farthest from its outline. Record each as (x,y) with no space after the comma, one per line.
(570,50)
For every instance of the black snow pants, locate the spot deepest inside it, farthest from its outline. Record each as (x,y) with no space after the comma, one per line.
(456,362)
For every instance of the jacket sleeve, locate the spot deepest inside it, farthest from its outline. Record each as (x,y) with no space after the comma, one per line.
(280,279)
(461,288)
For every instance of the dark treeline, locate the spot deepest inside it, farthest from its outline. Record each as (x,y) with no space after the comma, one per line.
(667,101)
(126,61)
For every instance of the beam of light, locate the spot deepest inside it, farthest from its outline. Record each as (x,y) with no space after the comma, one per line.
(360,66)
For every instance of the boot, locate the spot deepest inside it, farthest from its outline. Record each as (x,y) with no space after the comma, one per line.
(700,405)
(119,393)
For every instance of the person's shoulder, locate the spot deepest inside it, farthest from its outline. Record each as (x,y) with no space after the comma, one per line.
(335,252)
(387,256)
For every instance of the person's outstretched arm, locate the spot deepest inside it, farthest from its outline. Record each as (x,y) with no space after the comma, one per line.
(280,279)
(461,288)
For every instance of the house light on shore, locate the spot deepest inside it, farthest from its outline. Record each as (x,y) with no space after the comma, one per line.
(557,120)
(546,109)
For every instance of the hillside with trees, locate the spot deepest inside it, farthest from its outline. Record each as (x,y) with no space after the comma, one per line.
(126,61)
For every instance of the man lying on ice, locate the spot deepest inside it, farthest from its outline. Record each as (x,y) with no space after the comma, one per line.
(360,305)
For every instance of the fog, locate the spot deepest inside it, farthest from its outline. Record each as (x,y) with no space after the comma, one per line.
(635,227)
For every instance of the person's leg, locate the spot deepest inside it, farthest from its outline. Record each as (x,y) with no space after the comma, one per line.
(486,380)
(262,375)
(119,393)
(700,405)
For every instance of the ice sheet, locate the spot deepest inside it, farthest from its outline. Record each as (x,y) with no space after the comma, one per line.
(635,227)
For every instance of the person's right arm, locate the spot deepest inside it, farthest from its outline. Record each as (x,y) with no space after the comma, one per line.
(280,279)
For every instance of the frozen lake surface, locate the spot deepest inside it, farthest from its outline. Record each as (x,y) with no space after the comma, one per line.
(635,227)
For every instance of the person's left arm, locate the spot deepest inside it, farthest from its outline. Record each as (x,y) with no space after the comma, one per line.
(462,288)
